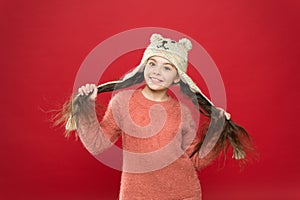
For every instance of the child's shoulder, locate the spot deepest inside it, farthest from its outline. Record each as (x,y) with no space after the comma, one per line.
(123,93)
(122,96)
(185,109)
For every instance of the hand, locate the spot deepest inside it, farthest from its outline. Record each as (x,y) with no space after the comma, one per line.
(88,89)
(227,115)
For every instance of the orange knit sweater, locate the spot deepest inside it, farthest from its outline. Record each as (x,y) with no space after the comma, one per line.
(157,139)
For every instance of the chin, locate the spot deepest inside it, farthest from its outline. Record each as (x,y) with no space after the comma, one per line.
(154,87)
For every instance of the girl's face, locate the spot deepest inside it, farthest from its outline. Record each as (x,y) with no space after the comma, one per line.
(160,74)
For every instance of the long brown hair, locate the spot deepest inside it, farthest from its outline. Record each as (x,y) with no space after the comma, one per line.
(232,134)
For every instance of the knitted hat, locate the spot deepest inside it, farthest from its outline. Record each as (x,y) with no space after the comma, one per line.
(175,52)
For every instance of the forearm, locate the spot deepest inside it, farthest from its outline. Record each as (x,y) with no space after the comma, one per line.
(89,130)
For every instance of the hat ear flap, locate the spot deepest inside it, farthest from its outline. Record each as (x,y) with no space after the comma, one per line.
(155,37)
(186,43)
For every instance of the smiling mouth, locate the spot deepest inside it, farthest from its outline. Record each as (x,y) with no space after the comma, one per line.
(155,79)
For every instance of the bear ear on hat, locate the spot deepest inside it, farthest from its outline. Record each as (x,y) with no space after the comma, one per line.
(186,43)
(155,37)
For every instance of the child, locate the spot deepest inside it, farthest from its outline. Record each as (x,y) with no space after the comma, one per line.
(161,152)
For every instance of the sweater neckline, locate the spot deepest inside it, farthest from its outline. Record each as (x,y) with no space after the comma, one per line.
(141,99)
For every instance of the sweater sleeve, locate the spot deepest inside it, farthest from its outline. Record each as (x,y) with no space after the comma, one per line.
(95,136)
(190,140)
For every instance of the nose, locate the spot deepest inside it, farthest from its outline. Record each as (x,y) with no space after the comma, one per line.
(157,70)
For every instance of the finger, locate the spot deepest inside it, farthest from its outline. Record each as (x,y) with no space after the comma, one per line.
(84,88)
(94,92)
(91,88)
(227,115)
(88,88)
(81,91)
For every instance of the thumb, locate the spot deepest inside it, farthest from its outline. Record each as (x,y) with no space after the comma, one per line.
(94,93)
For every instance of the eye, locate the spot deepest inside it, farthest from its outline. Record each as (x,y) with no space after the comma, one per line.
(167,68)
(151,63)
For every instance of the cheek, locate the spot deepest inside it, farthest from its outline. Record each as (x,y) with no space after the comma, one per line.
(146,71)
(171,76)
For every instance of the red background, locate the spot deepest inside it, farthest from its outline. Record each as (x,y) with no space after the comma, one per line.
(254,44)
